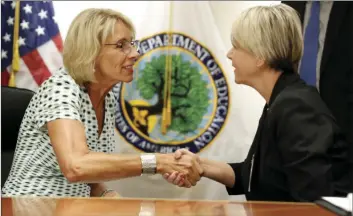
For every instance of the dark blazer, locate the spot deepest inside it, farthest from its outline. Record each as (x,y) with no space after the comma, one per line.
(336,69)
(298,153)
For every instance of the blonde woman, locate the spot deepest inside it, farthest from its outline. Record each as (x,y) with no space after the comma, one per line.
(298,153)
(65,142)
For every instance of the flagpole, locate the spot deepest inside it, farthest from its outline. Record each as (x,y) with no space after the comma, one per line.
(169,102)
(167,113)
(16,54)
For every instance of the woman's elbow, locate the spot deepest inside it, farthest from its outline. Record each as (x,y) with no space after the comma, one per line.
(74,173)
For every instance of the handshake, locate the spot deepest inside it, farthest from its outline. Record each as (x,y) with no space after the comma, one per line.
(182,168)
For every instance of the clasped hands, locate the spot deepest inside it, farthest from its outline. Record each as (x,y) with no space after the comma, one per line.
(182,168)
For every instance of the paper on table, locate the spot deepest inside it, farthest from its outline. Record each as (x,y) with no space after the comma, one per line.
(342,202)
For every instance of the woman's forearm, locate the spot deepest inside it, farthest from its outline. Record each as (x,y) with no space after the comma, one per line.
(218,171)
(94,167)
(98,167)
(79,164)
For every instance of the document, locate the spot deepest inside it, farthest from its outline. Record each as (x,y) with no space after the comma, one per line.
(344,203)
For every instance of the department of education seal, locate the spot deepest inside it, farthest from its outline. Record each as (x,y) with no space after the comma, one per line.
(178,99)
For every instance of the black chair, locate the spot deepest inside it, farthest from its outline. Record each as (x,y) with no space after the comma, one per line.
(14,102)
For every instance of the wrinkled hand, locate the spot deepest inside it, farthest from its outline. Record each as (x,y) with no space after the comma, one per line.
(184,163)
(178,178)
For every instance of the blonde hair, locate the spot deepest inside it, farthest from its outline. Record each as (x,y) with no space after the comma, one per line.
(86,35)
(272,33)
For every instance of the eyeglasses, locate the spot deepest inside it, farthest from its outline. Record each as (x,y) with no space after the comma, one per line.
(126,46)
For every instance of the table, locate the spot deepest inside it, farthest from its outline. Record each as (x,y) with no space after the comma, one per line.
(28,206)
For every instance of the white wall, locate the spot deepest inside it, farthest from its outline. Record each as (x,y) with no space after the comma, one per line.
(225,12)
(66,11)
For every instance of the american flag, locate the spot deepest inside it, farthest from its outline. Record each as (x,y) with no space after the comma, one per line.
(39,41)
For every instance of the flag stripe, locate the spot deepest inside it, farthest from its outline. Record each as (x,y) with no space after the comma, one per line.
(24,78)
(36,66)
(58,42)
(5,76)
(53,61)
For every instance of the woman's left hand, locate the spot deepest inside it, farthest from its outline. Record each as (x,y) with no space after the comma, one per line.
(111,194)
(178,179)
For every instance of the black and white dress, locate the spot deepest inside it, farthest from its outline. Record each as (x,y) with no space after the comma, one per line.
(35,170)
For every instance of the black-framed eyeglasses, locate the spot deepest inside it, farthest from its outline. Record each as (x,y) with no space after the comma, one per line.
(126,46)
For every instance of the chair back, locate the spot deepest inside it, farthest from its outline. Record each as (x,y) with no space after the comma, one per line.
(14,102)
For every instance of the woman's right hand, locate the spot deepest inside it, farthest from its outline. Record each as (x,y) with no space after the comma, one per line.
(218,171)
(188,166)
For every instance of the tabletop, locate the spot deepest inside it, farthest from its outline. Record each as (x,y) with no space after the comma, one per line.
(28,206)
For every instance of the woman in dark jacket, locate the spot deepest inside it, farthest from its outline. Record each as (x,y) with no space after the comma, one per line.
(298,153)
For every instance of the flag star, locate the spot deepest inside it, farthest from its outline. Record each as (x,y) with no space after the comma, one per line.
(40,30)
(13,4)
(24,24)
(10,21)
(7,37)
(54,18)
(3,54)
(21,41)
(43,14)
(27,9)
(2,2)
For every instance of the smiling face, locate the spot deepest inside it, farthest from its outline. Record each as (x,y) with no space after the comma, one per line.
(117,56)
(246,66)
